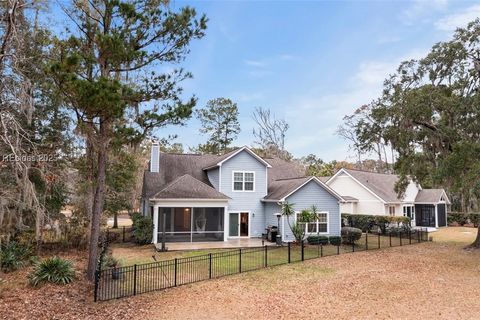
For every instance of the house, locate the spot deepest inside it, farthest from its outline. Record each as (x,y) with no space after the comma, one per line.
(374,193)
(239,194)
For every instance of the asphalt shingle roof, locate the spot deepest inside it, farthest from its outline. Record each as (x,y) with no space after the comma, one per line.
(279,189)
(429,195)
(187,187)
(382,184)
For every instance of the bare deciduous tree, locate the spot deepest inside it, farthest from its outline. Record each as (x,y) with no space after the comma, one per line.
(271,132)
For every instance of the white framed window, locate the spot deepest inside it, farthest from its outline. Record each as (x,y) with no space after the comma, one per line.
(391,210)
(318,226)
(243,181)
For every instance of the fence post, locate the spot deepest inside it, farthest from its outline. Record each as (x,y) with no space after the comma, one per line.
(418,236)
(426,230)
(266,263)
(353,246)
(240,260)
(366,240)
(390,236)
(303,252)
(209,266)
(95,292)
(175,269)
(409,237)
(400,238)
(134,279)
(289,254)
(321,250)
(379,240)
(338,249)
(123,234)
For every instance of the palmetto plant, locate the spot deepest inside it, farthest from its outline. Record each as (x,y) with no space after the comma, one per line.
(54,270)
(14,255)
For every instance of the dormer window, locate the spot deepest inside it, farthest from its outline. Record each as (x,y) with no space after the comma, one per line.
(243,181)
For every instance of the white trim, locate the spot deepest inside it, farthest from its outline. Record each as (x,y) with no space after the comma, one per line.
(226,225)
(243,180)
(188,200)
(192,204)
(316,222)
(323,185)
(155,224)
(249,223)
(245,148)
(436,215)
(344,171)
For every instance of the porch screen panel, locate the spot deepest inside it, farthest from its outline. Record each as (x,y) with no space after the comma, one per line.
(208,224)
(186,224)
(442,215)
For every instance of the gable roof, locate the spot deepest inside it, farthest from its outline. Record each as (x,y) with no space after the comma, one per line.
(187,187)
(280,189)
(382,185)
(227,156)
(431,196)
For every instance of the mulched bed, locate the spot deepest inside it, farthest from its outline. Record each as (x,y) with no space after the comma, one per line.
(419,281)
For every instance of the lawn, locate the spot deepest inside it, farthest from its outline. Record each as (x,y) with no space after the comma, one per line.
(431,280)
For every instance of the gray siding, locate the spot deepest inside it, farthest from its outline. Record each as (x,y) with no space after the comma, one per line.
(313,194)
(246,201)
(213,177)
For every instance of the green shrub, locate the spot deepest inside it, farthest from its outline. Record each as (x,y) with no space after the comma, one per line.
(317,239)
(366,222)
(350,235)
(14,255)
(462,218)
(54,270)
(335,240)
(142,229)
(474,218)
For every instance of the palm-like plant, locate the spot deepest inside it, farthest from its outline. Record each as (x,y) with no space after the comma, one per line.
(54,269)
(298,229)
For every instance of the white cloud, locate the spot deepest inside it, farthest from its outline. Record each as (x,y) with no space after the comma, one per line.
(255,63)
(421,8)
(314,118)
(459,19)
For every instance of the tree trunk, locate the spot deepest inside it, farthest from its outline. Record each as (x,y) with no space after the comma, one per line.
(98,202)
(115,220)
(476,243)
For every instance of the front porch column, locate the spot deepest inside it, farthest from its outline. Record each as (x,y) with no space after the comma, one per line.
(155,223)
(436,215)
(225,223)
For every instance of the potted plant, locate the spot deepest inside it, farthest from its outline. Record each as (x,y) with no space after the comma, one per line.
(114,264)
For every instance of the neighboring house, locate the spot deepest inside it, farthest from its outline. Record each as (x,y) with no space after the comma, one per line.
(374,193)
(239,194)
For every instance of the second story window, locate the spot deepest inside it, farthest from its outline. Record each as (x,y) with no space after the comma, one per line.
(243,181)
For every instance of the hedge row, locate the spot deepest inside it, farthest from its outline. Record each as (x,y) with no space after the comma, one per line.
(463,218)
(367,222)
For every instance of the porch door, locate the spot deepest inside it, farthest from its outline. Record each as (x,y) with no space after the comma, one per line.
(239,224)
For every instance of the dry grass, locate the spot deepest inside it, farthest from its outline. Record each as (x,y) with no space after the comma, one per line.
(455,235)
(431,281)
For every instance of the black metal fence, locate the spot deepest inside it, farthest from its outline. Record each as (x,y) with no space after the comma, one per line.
(120,234)
(127,281)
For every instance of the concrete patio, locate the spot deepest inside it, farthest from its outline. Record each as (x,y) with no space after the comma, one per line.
(230,243)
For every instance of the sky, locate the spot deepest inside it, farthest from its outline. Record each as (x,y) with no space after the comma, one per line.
(311,62)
